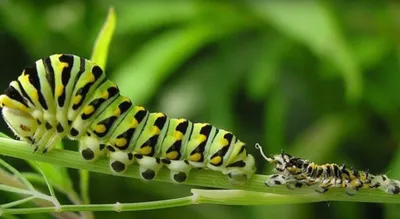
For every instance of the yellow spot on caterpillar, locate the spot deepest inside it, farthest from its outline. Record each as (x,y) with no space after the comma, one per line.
(178,135)
(173,155)
(90,77)
(77,99)
(7,102)
(134,123)
(155,130)
(63,65)
(224,142)
(201,138)
(159,115)
(146,150)
(195,157)
(139,108)
(100,128)
(120,142)
(216,160)
(105,95)
(117,112)
(181,120)
(88,110)
(35,96)
(2,99)
(24,79)
(59,90)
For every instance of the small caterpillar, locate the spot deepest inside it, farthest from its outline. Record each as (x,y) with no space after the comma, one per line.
(68,96)
(295,172)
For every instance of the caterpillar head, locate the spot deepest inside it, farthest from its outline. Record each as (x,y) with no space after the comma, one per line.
(16,113)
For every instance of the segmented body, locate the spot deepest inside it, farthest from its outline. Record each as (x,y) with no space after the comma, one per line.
(296,172)
(69,96)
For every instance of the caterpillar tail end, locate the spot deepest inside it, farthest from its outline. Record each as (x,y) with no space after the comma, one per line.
(240,175)
(393,187)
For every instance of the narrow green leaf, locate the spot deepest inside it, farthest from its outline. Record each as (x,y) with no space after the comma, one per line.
(311,23)
(100,49)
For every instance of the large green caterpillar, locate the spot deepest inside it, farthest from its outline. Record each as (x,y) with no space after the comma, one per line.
(66,95)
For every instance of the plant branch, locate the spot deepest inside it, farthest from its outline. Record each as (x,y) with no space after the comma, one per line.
(204,178)
(219,197)
(12,181)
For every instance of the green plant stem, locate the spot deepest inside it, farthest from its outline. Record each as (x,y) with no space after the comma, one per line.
(84,185)
(220,197)
(204,178)
(118,207)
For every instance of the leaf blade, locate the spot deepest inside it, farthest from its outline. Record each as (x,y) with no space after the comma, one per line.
(101,46)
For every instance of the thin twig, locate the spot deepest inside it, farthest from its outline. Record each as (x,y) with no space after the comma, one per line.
(10,180)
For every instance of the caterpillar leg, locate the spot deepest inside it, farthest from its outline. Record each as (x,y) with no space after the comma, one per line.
(393,188)
(298,185)
(350,191)
(149,166)
(276,179)
(44,137)
(43,141)
(293,184)
(351,186)
(52,143)
(179,169)
(321,189)
(324,186)
(119,160)
(91,148)
(310,182)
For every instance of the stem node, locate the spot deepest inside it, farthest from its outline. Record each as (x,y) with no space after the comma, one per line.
(117,207)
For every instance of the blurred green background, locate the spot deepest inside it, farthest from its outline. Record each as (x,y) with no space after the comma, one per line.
(319,80)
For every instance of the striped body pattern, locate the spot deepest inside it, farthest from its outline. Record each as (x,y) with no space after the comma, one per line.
(69,96)
(295,172)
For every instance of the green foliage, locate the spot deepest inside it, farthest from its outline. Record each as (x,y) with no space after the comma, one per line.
(319,80)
